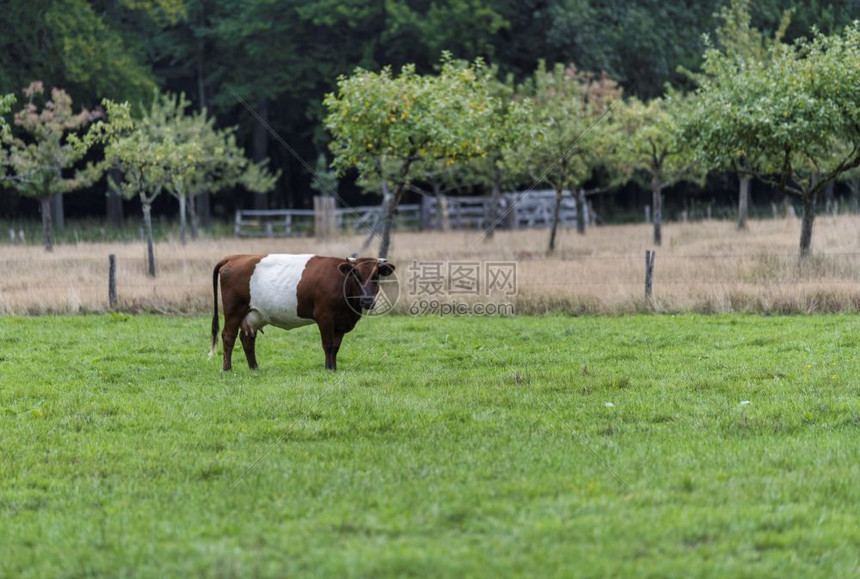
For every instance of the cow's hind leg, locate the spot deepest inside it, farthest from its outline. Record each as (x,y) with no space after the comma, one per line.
(249,337)
(228,337)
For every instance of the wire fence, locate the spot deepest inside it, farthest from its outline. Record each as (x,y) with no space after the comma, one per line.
(827,281)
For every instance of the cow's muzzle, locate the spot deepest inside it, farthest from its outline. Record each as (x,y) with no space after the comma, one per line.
(367,298)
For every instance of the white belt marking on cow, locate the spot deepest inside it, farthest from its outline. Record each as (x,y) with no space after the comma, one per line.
(273,291)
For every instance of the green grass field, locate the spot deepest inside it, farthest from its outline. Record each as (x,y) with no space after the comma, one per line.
(443,447)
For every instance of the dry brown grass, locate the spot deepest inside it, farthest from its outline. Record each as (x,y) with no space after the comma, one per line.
(703,266)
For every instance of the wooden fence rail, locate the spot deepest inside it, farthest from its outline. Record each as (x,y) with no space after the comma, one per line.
(532,209)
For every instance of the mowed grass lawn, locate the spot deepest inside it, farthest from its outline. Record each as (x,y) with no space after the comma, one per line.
(443,447)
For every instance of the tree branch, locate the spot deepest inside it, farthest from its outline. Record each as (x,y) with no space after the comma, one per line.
(780,185)
(851,161)
(595,191)
(678,175)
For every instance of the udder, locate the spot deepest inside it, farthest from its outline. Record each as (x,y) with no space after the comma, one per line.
(253,322)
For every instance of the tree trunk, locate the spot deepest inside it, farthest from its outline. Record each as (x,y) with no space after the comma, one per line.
(830,201)
(854,195)
(580,211)
(495,197)
(201,77)
(201,211)
(390,209)
(194,220)
(47,228)
(556,215)
(744,201)
(789,208)
(147,230)
(657,202)
(261,147)
(199,205)
(114,199)
(377,221)
(58,215)
(806,225)
(183,218)
(444,212)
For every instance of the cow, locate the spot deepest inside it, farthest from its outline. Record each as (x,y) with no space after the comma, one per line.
(289,291)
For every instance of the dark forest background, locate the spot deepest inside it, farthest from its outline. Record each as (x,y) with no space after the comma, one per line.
(282,56)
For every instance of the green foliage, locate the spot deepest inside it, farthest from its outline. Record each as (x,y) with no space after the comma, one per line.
(564,140)
(166,12)
(746,48)
(151,152)
(219,162)
(93,55)
(325,178)
(651,148)
(282,57)
(379,121)
(639,43)
(509,123)
(785,113)
(68,43)
(797,110)
(829,17)
(739,40)
(468,28)
(6,102)
(433,456)
(35,159)
(409,118)
(33,163)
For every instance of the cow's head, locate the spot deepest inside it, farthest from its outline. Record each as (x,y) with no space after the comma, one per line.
(362,279)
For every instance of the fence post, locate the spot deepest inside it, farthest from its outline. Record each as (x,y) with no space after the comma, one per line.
(511,206)
(112,281)
(444,222)
(426,212)
(325,221)
(649,272)
(647,214)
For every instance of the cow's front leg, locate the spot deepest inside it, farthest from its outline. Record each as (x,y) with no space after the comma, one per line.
(327,335)
(338,338)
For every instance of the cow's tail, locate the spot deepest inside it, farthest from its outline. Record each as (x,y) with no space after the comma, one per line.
(215,327)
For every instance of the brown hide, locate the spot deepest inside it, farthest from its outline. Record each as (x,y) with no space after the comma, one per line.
(325,294)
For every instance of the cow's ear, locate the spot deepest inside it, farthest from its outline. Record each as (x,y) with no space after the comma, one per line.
(386,269)
(345,268)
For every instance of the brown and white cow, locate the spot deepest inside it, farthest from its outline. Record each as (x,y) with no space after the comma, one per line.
(289,291)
